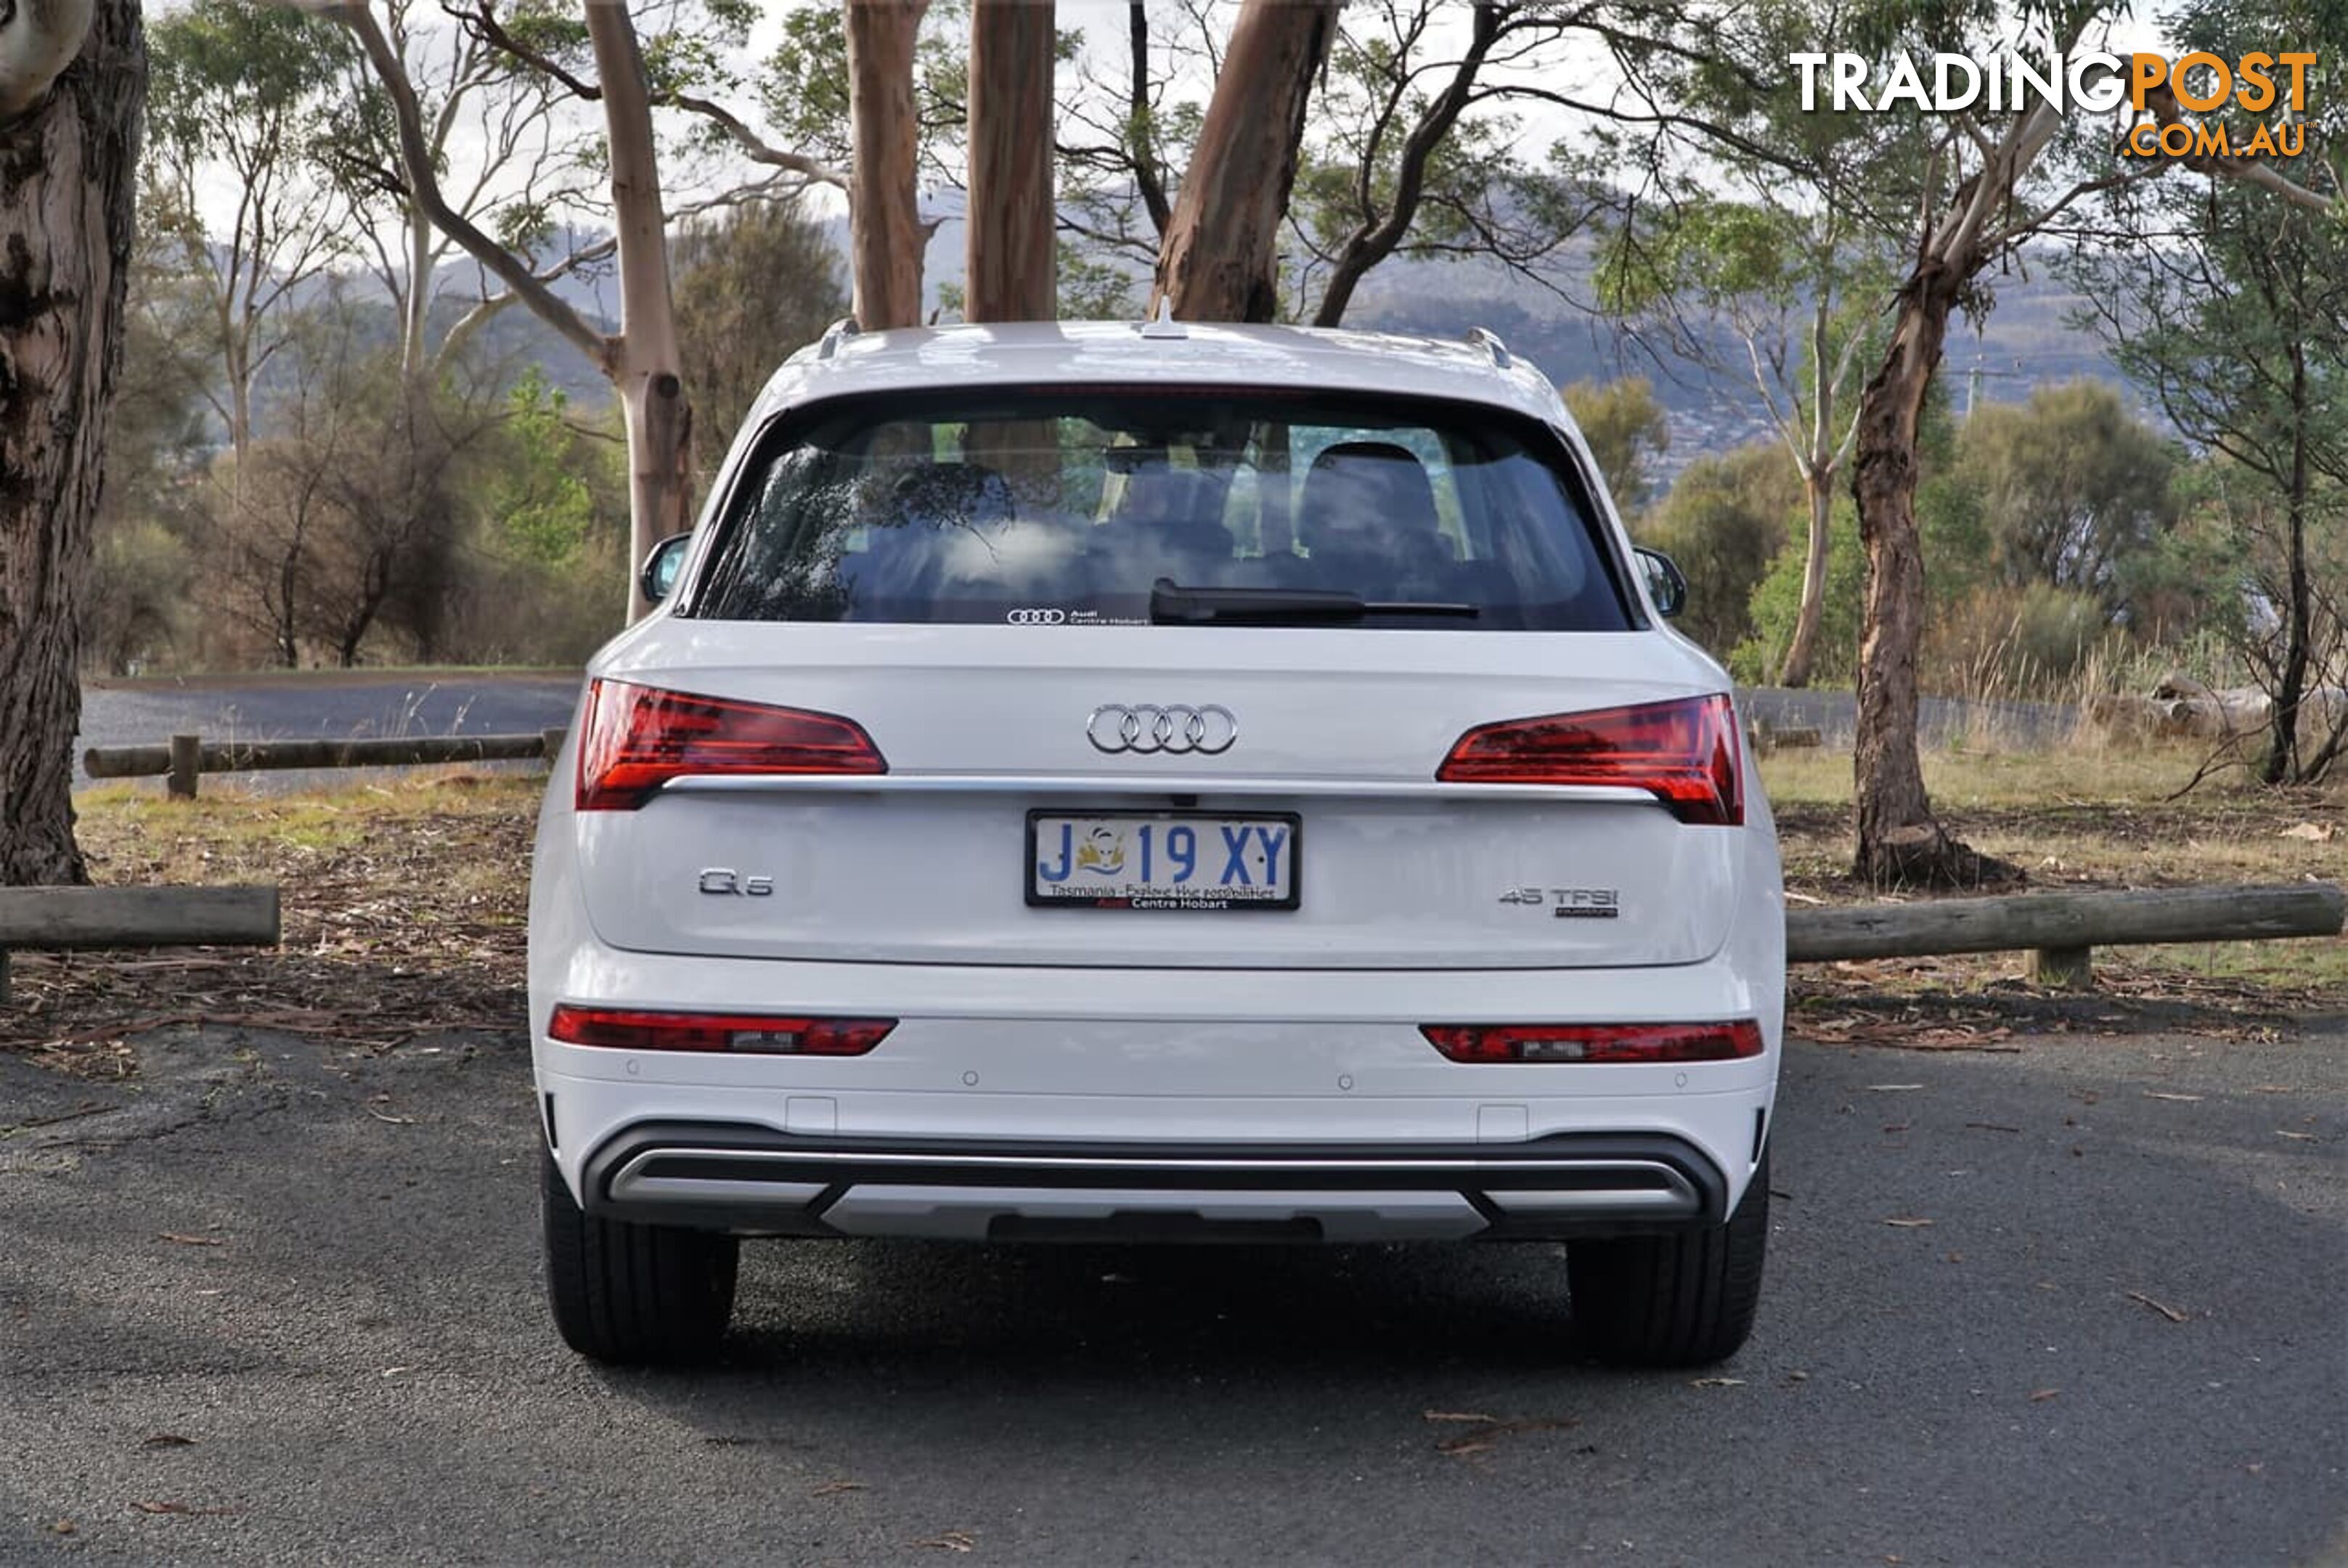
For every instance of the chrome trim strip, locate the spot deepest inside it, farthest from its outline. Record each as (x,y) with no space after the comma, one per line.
(1680,1199)
(628,1185)
(628,1173)
(1155,785)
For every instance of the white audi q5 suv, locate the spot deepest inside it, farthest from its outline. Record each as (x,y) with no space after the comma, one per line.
(1160,783)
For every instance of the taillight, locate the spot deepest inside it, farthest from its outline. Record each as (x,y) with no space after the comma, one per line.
(1595,1041)
(762,1034)
(1684,753)
(638,738)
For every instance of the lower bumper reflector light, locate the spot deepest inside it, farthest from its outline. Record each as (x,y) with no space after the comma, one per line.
(1616,1042)
(756,1034)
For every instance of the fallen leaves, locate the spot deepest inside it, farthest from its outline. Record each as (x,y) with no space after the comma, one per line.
(950,1540)
(409,920)
(1716,1382)
(2165,1094)
(2040,1396)
(2312,832)
(185,1240)
(1907,1223)
(167,1440)
(1489,1429)
(2174,1313)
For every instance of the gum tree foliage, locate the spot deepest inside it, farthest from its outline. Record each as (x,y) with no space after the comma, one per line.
(2231,312)
(1626,431)
(754,282)
(598,56)
(1972,191)
(2074,492)
(1783,288)
(506,157)
(139,606)
(1724,521)
(244,97)
(353,506)
(1766,245)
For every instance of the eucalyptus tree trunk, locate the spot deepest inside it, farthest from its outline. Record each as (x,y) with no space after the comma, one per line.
(2290,684)
(1818,483)
(1802,652)
(645,366)
(1012,271)
(415,308)
(73,89)
(1898,838)
(884,220)
(1218,259)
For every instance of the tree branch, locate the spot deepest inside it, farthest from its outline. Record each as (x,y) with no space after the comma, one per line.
(423,185)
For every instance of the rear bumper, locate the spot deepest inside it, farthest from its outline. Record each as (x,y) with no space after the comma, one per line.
(753,1181)
(1278,1103)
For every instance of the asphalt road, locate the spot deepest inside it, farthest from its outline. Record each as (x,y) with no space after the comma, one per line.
(279,1303)
(356,704)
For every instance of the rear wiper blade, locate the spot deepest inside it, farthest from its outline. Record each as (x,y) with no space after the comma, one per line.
(1171,604)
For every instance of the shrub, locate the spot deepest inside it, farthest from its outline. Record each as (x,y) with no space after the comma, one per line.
(1776,603)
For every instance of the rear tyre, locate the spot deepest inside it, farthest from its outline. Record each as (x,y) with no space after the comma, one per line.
(633,1293)
(1681,1300)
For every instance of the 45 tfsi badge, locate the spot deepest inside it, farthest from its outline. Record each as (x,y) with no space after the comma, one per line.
(1569,903)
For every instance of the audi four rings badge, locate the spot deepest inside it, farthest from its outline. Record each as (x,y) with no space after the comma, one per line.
(1144,729)
(1037,618)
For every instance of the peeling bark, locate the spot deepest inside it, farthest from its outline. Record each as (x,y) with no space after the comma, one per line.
(1217,262)
(1012,270)
(648,371)
(67,161)
(884,220)
(1899,840)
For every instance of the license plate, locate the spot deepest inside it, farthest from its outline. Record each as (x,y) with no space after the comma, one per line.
(1161,860)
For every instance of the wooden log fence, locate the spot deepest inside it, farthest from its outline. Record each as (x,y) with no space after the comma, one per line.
(187,756)
(2060,930)
(51,917)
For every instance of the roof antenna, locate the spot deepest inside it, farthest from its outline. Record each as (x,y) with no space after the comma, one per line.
(845,327)
(1163,324)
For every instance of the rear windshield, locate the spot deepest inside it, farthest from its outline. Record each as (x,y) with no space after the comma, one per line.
(1065,506)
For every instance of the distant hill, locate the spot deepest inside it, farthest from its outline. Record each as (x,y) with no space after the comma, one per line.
(2025,344)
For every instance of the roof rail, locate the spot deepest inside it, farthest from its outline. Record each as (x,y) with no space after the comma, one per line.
(845,327)
(1489,342)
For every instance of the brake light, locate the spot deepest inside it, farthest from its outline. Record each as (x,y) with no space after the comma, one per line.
(762,1034)
(1684,753)
(1595,1041)
(638,738)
